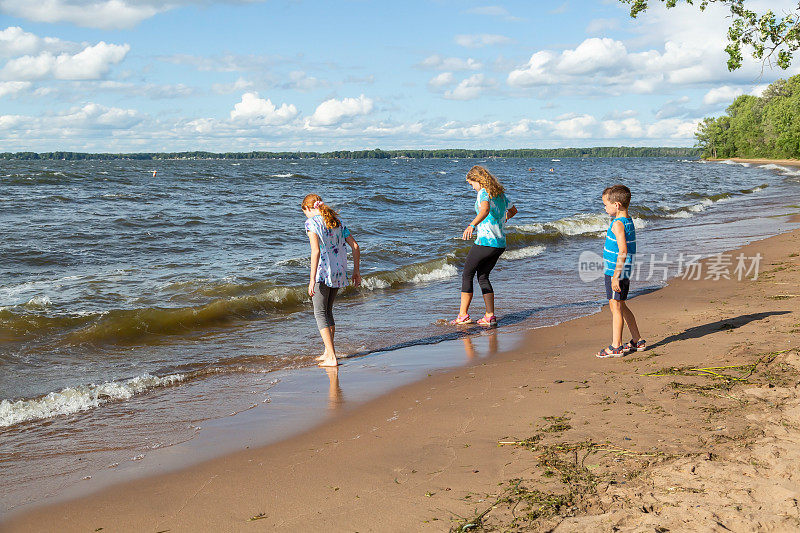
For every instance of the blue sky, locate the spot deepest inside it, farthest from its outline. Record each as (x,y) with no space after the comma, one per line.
(239,75)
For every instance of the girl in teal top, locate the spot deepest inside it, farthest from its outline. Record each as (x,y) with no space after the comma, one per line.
(492,211)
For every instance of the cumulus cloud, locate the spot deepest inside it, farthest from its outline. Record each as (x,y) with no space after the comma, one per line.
(93,62)
(437,62)
(15,42)
(608,63)
(103,14)
(481,39)
(442,80)
(96,115)
(573,127)
(254,109)
(470,88)
(331,112)
(724,94)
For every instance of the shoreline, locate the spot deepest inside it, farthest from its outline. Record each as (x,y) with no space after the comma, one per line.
(426,453)
(787,162)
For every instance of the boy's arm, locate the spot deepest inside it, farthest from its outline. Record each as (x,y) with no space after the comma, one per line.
(618,229)
(313,240)
(356,259)
(482,214)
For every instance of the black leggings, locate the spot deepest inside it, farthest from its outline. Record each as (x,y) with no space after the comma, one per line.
(480,259)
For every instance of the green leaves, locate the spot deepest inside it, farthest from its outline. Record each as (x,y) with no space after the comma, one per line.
(772,39)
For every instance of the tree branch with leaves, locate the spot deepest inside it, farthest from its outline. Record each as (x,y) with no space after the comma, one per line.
(772,38)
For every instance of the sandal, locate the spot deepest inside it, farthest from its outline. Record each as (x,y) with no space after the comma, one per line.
(611,351)
(638,346)
(461,319)
(488,321)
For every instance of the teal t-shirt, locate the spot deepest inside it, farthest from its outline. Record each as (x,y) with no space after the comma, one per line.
(491,230)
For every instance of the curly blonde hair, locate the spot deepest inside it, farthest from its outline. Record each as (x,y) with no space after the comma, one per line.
(485,179)
(329,216)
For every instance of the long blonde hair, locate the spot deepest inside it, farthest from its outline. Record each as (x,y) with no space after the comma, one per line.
(485,179)
(329,216)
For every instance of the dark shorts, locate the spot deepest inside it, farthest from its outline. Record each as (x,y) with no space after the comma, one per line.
(622,295)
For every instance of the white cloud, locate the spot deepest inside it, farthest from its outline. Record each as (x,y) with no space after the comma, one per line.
(103,14)
(470,88)
(481,39)
(724,94)
(11,122)
(14,42)
(592,55)
(331,112)
(441,80)
(258,110)
(438,62)
(97,116)
(93,62)
(12,88)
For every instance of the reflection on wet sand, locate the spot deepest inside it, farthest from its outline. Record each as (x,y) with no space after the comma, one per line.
(335,397)
(469,345)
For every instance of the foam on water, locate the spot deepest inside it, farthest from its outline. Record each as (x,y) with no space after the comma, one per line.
(81,398)
(581,224)
(786,171)
(522,253)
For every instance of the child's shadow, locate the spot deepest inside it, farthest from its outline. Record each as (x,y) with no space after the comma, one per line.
(720,325)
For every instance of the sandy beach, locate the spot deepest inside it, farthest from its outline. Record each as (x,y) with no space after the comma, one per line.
(699,432)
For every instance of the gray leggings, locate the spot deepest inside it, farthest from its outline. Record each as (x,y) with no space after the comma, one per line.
(323,304)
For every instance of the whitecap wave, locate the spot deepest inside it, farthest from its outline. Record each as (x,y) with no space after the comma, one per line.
(522,253)
(446,271)
(81,398)
(282,175)
(581,224)
(786,171)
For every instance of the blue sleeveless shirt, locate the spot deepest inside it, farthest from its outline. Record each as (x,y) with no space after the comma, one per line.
(611,249)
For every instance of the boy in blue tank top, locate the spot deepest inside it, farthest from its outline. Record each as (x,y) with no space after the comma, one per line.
(618,253)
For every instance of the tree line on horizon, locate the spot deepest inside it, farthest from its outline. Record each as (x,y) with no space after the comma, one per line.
(606,151)
(766,126)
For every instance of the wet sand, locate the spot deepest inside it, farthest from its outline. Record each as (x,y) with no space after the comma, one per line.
(699,432)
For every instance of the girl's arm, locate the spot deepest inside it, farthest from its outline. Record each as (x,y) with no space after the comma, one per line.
(511,212)
(482,214)
(313,239)
(356,259)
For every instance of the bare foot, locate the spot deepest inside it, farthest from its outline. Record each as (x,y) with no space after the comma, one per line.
(321,357)
(329,361)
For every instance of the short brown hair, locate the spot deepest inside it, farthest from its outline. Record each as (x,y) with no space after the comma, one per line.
(618,194)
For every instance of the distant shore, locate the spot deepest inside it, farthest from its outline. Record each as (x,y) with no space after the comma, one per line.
(696,433)
(533,153)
